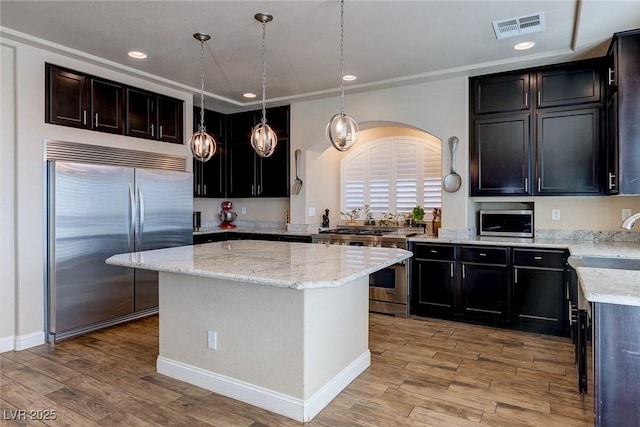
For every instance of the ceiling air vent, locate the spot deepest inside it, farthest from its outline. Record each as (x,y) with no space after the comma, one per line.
(520,25)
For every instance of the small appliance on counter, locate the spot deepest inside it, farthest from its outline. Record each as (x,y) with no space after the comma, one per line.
(226,216)
(197,220)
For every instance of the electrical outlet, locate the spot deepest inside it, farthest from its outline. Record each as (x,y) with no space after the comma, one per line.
(626,213)
(243,210)
(312,211)
(555,214)
(212,340)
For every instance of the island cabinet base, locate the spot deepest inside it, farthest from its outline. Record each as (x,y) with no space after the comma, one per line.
(285,350)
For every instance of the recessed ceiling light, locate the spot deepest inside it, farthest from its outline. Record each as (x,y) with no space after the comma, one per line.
(524,45)
(349,77)
(249,95)
(137,54)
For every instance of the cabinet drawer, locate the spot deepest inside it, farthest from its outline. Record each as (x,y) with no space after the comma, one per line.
(439,252)
(484,255)
(538,258)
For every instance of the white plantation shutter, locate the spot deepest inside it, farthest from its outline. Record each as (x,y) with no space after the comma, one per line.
(379,178)
(432,178)
(406,175)
(392,175)
(354,178)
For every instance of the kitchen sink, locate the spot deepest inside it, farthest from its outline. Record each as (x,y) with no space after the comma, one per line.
(603,262)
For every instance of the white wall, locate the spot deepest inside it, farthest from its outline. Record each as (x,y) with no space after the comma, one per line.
(438,108)
(7,235)
(30,132)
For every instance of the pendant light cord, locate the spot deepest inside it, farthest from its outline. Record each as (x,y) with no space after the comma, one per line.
(201,86)
(342,57)
(264,73)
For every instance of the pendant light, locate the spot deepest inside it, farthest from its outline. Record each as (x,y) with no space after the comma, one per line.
(342,130)
(202,145)
(263,138)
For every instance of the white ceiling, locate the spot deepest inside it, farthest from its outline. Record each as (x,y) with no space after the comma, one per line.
(387,43)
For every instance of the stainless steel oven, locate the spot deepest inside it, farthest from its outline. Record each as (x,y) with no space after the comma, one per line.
(388,291)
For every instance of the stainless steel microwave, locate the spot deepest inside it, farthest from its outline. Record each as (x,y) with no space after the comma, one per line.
(506,223)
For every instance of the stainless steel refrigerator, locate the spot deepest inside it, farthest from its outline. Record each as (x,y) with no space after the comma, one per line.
(96,211)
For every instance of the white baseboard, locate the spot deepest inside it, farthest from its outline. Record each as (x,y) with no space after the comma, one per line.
(6,343)
(292,407)
(21,342)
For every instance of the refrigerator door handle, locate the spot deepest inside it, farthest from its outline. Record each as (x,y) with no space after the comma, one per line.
(132,214)
(140,216)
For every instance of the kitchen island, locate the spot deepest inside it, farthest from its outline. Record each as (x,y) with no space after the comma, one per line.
(283,326)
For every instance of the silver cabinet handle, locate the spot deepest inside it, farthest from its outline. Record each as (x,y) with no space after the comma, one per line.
(152,130)
(205,189)
(259,192)
(464,273)
(515,273)
(526,184)
(612,74)
(161,134)
(526,99)
(537,257)
(612,183)
(253,193)
(451,269)
(482,254)
(539,184)
(96,119)
(539,98)
(198,190)
(84,117)
(433,251)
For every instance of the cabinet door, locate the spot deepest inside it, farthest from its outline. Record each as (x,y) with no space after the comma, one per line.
(501,94)
(568,86)
(140,114)
(67,98)
(239,127)
(539,298)
(273,179)
(169,119)
(485,291)
(568,152)
(107,106)
(500,156)
(241,164)
(432,287)
(612,67)
(611,174)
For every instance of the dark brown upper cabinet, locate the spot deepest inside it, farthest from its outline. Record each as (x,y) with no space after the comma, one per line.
(154,116)
(549,145)
(501,93)
(623,114)
(82,101)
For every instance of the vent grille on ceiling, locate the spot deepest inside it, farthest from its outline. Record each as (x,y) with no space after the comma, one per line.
(520,25)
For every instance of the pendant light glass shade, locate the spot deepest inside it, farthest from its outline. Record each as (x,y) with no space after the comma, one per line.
(342,130)
(263,138)
(201,144)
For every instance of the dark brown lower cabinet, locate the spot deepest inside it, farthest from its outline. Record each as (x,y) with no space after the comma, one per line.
(513,287)
(485,282)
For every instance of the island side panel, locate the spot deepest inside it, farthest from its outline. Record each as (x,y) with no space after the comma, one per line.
(259,330)
(336,335)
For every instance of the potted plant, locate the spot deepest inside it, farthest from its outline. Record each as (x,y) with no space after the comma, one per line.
(369,216)
(418,214)
(353,216)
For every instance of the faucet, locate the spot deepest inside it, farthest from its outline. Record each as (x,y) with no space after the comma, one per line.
(630,221)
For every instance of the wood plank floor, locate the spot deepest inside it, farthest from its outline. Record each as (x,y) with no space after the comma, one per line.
(423,372)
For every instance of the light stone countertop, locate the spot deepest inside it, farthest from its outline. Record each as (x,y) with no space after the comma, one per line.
(255,230)
(281,264)
(598,284)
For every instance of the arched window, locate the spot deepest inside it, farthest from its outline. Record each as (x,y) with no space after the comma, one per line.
(392,175)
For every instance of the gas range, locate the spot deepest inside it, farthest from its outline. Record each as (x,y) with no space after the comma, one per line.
(386,237)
